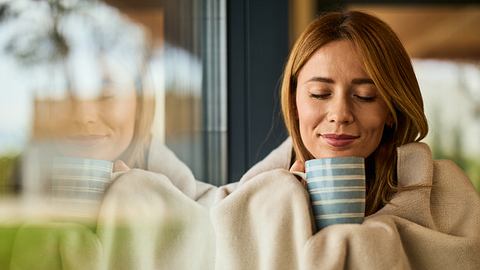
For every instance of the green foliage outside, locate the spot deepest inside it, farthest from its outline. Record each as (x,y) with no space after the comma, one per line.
(7,164)
(470,165)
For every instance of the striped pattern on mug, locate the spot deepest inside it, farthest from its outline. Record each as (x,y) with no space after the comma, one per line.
(80,179)
(337,190)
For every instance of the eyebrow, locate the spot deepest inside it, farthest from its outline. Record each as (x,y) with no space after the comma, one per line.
(320,79)
(329,80)
(362,81)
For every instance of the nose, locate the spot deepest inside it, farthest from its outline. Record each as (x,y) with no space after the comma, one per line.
(84,112)
(340,111)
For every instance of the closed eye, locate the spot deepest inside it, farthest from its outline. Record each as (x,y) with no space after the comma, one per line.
(320,96)
(365,98)
(106,96)
(108,93)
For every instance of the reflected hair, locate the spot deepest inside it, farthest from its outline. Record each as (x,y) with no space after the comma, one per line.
(136,154)
(388,65)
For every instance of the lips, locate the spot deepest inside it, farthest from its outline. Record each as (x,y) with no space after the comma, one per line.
(86,140)
(339,140)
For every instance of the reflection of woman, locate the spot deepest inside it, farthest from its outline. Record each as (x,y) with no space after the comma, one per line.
(143,220)
(144,199)
(112,125)
(89,102)
(349,90)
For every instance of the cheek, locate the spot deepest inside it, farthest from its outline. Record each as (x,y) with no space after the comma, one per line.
(373,125)
(378,132)
(376,124)
(120,117)
(303,118)
(308,113)
(52,119)
(309,118)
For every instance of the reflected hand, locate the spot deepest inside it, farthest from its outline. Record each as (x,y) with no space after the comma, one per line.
(120,166)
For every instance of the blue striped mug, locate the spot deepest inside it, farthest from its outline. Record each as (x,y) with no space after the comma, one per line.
(337,190)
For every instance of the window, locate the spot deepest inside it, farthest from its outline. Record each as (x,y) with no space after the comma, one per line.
(173,52)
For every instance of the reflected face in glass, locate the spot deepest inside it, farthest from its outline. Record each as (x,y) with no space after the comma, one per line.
(98,128)
(340,110)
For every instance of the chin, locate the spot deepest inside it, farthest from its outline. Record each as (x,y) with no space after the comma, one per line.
(87,155)
(328,153)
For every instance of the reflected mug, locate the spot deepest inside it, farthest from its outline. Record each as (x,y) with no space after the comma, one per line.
(80,179)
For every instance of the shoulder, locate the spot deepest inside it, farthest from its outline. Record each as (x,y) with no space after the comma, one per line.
(279,158)
(448,174)
(414,164)
(163,161)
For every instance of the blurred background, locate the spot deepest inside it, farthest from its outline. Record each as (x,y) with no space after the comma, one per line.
(214,68)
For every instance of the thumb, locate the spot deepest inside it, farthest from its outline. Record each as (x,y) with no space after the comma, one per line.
(298,169)
(120,166)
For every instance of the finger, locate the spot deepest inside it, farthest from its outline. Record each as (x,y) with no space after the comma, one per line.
(298,166)
(120,166)
(298,169)
(304,182)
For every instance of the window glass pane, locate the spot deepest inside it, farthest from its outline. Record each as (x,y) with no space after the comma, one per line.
(109,80)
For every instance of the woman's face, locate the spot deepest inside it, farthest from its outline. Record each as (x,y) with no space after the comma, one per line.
(97,128)
(340,111)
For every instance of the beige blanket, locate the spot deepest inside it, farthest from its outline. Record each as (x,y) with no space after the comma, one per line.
(153,220)
(147,220)
(265,223)
(147,223)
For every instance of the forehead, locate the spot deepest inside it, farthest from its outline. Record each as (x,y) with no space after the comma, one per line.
(336,58)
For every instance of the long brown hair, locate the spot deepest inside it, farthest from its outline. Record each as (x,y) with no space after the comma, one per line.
(388,64)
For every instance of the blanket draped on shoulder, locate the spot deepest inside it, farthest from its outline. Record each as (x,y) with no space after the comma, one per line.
(266,223)
(162,218)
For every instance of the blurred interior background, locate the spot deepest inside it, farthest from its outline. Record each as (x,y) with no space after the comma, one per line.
(214,68)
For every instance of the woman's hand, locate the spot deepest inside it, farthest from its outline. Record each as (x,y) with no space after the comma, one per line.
(298,166)
(298,169)
(120,166)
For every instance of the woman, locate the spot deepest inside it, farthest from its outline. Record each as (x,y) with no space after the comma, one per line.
(349,90)
(362,82)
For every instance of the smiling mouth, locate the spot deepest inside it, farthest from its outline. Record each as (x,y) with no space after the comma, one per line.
(85,140)
(339,140)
